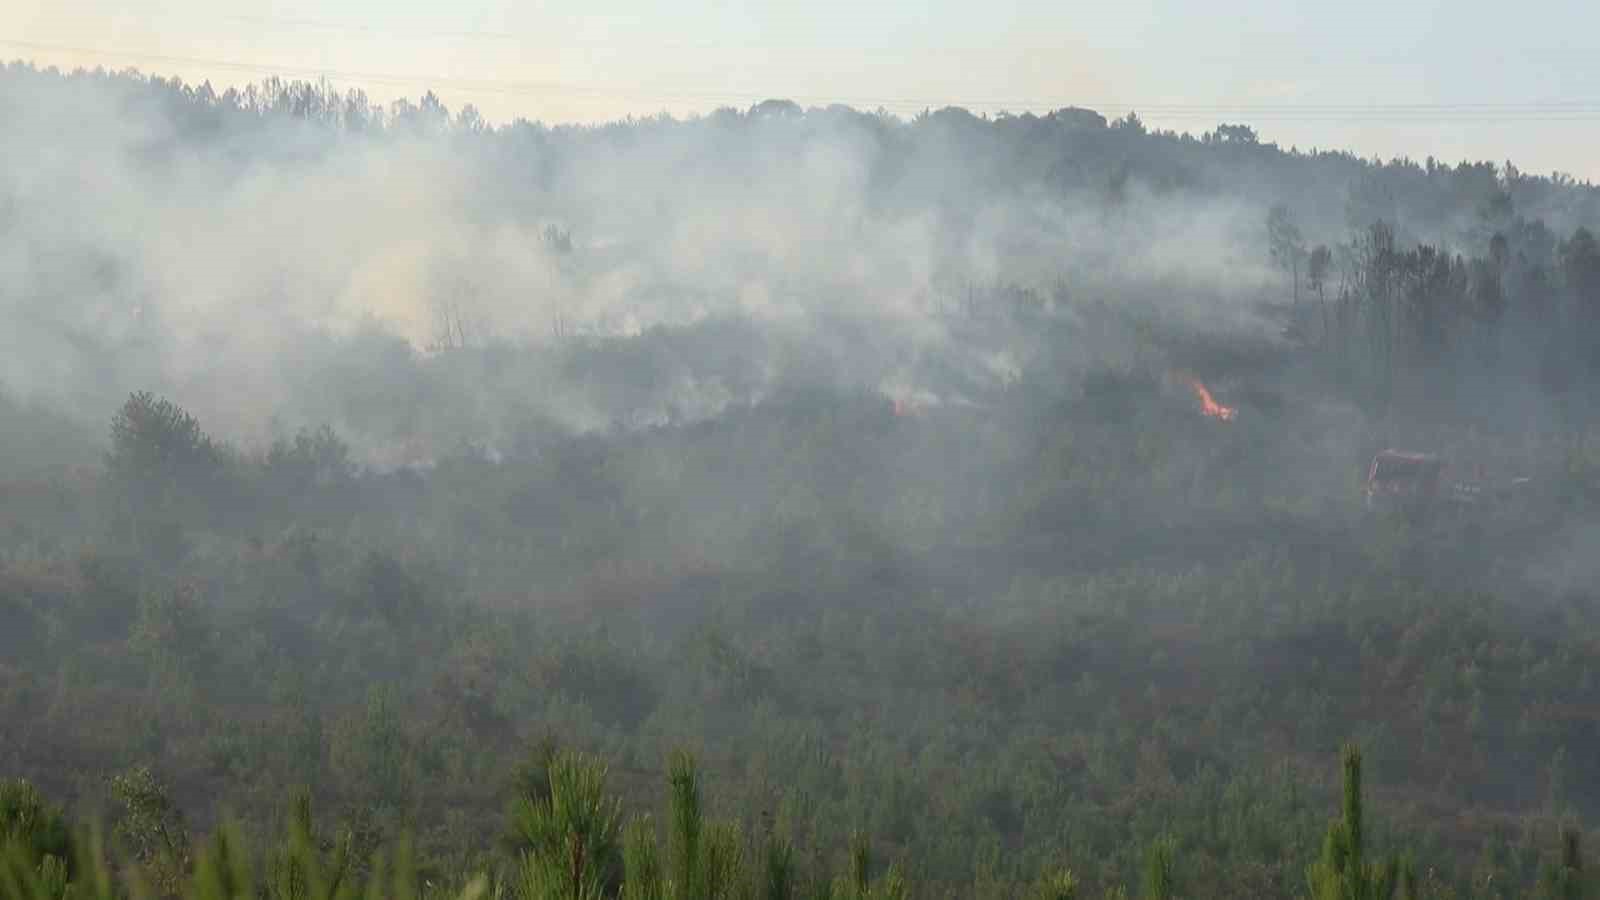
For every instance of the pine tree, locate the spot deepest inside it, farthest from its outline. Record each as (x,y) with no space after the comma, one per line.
(1158,875)
(860,861)
(722,865)
(1564,879)
(1057,884)
(574,834)
(687,824)
(778,876)
(641,860)
(32,828)
(1342,872)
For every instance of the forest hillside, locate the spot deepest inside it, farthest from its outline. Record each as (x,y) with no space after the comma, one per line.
(783,500)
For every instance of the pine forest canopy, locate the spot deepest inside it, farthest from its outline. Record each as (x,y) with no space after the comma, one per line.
(782,502)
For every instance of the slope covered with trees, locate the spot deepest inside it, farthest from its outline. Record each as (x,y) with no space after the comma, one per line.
(857,458)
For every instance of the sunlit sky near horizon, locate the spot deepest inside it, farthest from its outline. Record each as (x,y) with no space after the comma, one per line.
(1455,80)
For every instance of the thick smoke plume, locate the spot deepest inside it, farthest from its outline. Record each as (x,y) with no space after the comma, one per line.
(290,255)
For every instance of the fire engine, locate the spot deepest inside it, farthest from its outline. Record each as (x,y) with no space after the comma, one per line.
(1418,481)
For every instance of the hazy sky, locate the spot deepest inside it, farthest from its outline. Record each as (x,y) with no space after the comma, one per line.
(1461,79)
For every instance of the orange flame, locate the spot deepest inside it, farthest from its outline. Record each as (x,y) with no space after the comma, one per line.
(1208,405)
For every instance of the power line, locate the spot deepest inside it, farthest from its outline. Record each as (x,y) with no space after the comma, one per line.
(520,87)
(1564,53)
(1399,113)
(481,35)
(317,25)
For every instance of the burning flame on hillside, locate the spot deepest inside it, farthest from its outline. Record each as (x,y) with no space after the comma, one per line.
(1208,404)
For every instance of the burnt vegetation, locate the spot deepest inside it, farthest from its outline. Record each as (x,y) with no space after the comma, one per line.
(724,605)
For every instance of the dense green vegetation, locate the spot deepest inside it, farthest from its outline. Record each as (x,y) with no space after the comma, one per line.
(802,634)
(395,641)
(566,838)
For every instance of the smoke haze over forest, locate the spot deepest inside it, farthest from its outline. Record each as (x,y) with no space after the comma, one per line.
(1009,492)
(236,250)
